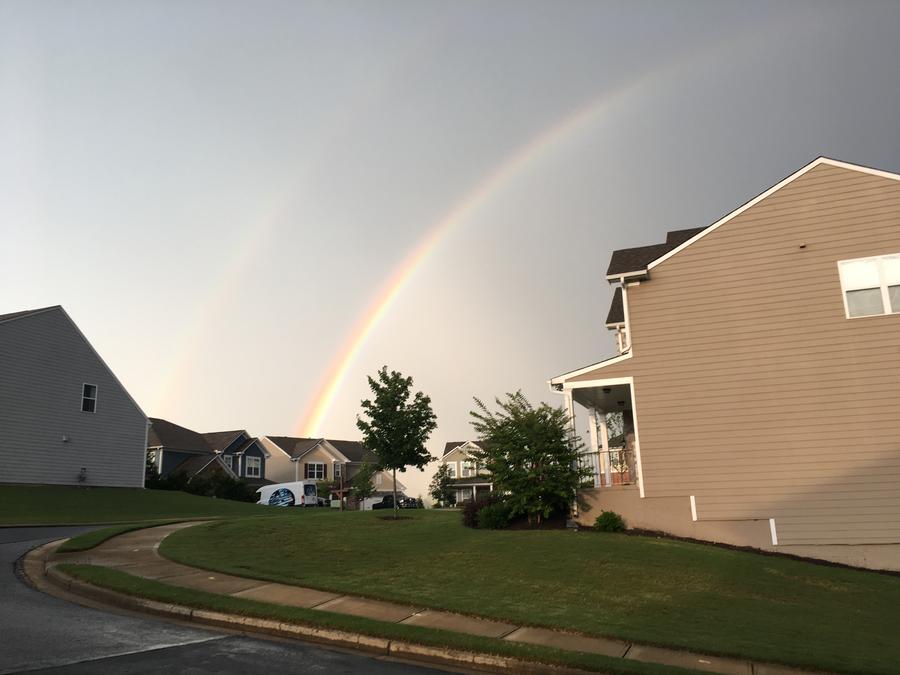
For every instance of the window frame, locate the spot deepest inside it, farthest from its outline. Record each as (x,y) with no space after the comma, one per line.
(93,398)
(883,285)
(454,470)
(254,463)
(229,461)
(468,468)
(310,465)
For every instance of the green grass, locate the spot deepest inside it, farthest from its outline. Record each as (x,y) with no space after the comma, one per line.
(64,505)
(154,590)
(649,590)
(94,538)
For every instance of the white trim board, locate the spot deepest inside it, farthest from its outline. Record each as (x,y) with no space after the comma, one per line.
(560,379)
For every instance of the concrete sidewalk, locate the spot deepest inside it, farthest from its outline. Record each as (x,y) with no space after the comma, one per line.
(137,553)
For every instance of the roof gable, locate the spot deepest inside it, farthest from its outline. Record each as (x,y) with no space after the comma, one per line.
(616,313)
(699,233)
(220,440)
(14,316)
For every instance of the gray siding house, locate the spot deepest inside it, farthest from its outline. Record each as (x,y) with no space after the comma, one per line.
(65,418)
(242,453)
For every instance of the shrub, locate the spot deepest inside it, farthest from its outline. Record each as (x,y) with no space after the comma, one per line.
(470,509)
(609,521)
(494,516)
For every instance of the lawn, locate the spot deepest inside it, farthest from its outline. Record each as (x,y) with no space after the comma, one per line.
(646,589)
(62,505)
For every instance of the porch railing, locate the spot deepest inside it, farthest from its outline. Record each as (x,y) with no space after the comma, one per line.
(615,466)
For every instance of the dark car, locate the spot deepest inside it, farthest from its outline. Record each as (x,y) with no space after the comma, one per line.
(387,502)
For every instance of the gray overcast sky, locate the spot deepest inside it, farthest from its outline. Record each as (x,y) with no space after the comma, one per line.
(217,191)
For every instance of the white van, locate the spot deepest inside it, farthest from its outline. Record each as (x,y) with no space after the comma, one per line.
(297,493)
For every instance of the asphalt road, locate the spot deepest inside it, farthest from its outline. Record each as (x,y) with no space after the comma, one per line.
(41,633)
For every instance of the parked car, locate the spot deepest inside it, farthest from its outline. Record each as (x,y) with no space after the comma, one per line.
(387,502)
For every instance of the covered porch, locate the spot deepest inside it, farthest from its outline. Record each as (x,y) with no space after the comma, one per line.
(612,452)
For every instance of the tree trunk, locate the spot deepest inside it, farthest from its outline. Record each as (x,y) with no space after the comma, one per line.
(394,486)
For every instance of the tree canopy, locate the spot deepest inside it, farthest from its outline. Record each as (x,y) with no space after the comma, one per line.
(398,425)
(532,454)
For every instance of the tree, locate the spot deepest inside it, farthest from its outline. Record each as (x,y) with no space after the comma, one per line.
(441,487)
(362,483)
(532,454)
(398,424)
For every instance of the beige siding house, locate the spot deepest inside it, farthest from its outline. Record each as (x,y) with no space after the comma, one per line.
(470,481)
(758,373)
(293,459)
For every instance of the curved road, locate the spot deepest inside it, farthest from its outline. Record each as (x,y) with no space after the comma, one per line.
(41,633)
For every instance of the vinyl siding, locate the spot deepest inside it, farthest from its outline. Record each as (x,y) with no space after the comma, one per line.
(753,391)
(44,361)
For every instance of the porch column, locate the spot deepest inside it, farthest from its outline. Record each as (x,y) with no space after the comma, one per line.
(474,493)
(604,440)
(296,470)
(570,409)
(595,449)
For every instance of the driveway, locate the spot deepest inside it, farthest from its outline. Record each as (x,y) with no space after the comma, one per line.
(46,634)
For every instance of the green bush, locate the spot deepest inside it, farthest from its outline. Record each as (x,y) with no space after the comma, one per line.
(609,521)
(494,516)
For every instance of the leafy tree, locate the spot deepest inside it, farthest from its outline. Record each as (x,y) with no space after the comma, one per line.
(362,483)
(441,487)
(399,424)
(532,454)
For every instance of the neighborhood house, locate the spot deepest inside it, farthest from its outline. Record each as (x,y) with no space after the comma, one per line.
(470,481)
(175,450)
(294,459)
(66,418)
(757,375)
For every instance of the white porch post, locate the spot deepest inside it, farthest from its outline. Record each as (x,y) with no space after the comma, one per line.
(595,449)
(474,493)
(296,470)
(604,441)
(570,409)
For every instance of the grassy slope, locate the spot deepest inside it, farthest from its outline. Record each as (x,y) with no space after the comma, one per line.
(644,589)
(94,538)
(126,583)
(52,505)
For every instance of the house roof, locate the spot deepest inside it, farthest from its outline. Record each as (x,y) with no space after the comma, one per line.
(28,312)
(163,433)
(194,465)
(451,446)
(630,260)
(295,447)
(219,440)
(616,308)
(354,450)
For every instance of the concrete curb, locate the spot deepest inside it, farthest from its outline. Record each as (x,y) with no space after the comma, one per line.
(34,565)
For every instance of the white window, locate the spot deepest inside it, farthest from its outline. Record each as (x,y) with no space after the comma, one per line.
(452,466)
(229,461)
(468,468)
(337,470)
(89,398)
(253,465)
(315,470)
(379,479)
(871,286)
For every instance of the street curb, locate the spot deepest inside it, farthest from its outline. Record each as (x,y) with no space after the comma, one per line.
(33,564)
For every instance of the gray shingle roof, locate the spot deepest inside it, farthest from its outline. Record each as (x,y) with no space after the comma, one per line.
(636,259)
(616,308)
(174,437)
(219,440)
(452,445)
(18,315)
(294,446)
(354,451)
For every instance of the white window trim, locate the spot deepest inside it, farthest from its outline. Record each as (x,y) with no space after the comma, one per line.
(883,286)
(309,465)
(89,398)
(453,469)
(229,461)
(337,470)
(254,463)
(469,471)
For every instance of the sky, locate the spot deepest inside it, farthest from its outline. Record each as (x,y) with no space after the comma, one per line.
(248,207)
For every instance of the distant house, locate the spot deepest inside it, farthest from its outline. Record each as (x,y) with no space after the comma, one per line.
(757,373)
(65,418)
(469,479)
(242,453)
(323,459)
(174,449)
